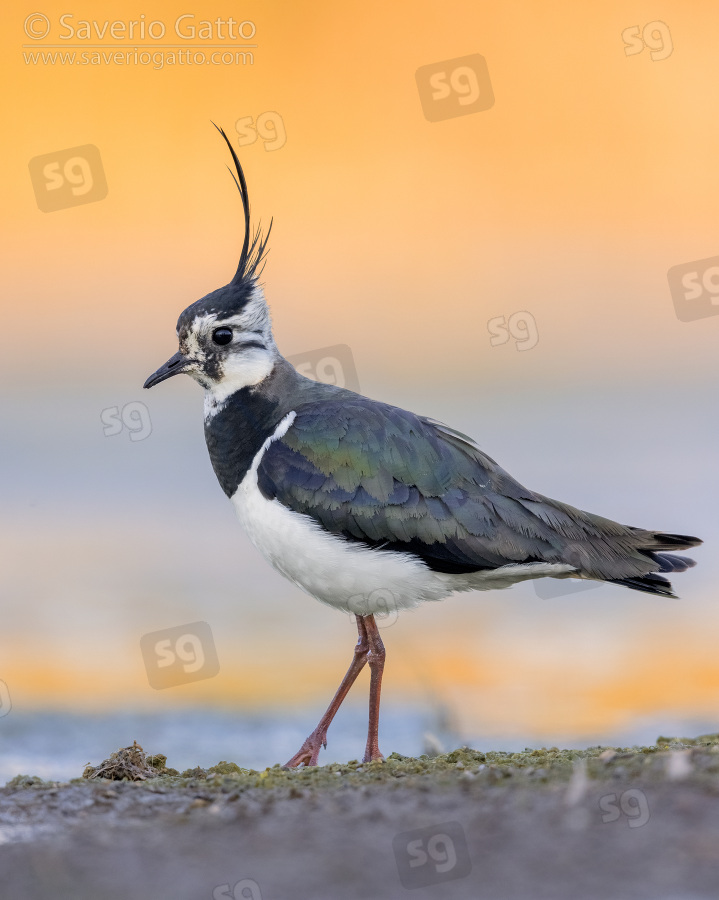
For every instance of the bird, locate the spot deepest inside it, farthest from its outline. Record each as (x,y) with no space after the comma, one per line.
(362,504)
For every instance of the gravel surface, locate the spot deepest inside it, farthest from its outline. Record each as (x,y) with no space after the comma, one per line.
(598,823)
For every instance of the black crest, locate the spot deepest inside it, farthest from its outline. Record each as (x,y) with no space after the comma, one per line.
(253,254)
(229,300)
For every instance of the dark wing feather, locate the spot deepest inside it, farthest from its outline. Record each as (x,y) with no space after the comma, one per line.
(390,479)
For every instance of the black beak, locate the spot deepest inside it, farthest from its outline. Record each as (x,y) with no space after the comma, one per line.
(174,365)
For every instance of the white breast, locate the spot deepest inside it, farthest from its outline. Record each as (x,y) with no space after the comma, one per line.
(345,574)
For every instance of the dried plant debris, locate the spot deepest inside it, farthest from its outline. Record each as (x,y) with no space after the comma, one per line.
(129,764)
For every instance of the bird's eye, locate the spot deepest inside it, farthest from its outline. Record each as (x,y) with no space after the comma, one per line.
(222,336)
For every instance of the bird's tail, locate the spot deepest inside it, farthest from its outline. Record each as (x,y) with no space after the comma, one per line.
(653,545)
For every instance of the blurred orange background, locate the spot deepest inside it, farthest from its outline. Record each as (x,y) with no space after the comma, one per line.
(590,176)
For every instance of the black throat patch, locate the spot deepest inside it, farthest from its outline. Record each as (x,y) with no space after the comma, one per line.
(236,433)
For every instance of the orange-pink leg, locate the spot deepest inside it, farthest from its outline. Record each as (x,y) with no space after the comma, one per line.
(375,658)
(310,750)
(369,649)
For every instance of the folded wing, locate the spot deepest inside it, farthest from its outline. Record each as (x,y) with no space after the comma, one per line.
(392,480)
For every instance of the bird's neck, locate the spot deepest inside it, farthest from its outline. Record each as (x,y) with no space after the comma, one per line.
(236,429)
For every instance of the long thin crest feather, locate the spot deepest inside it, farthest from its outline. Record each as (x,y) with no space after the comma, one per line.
(252,253)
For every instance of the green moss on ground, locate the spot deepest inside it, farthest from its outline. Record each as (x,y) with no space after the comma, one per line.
(669,758)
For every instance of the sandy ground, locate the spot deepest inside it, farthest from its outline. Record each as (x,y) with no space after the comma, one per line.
(632,823)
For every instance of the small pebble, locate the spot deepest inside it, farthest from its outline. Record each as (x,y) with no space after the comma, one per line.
(679,765)
(607,755)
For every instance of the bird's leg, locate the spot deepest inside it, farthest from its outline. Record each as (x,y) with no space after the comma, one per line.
(375,658)
(310,750)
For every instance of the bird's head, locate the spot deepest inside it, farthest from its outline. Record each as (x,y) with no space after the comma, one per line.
(226,338)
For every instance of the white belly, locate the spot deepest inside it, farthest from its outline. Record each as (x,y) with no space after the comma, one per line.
(345,574)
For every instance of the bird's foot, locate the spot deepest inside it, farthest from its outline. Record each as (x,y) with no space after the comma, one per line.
(309,751)
(371,754)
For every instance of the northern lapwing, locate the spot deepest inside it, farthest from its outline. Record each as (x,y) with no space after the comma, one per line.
(355,501)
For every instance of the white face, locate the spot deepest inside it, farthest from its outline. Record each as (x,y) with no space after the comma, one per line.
(228,354)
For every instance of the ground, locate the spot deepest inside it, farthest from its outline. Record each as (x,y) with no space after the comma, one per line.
(598,823)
